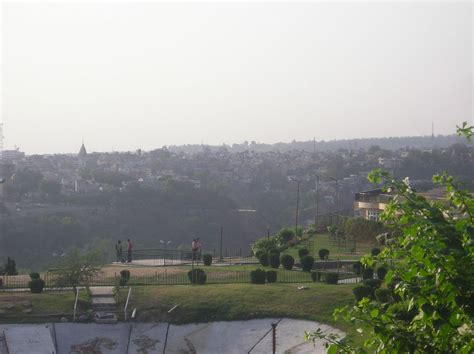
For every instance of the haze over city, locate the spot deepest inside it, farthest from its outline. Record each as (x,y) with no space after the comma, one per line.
(124,76)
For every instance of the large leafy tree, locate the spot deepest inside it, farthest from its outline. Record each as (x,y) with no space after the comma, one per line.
(431,277)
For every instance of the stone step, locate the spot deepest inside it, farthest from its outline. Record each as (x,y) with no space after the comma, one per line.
(103,300)
(99,291)
(105,318)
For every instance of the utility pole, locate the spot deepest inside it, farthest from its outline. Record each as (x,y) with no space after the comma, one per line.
(297,208)
(222,233)
(298,181)
(316,219)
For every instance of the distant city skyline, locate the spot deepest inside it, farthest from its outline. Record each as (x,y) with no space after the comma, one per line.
(128,76)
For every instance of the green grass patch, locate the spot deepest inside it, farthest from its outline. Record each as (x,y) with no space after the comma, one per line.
(49,306)
(227,302)
(316,242)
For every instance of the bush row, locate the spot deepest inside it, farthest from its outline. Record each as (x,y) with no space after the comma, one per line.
(329,278)
(260,276)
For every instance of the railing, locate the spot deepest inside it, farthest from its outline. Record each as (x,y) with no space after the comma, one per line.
(180,277)
(75,304)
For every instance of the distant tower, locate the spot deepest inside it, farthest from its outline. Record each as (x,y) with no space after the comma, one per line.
(83,151)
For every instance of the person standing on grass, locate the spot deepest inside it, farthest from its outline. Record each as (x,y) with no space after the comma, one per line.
(119,251)
(129,251)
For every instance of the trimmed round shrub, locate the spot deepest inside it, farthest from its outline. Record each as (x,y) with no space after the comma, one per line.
(361,291)
(332,278)
(125,273)
(34,275)
(197,276)
(357,267)
(207,259)
(36,285)
(381,273)
(303,252)
(367,273)
(271,276)
(307,263)
(124,277)
(316,276)
(375,251)
(383,296)
(258,276)
(263,259)
(287,261)
(274,260)
(323,254)
(373,284)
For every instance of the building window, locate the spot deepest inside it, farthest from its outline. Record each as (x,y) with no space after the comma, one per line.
(373,215)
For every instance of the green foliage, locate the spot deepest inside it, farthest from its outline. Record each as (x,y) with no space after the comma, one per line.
(367,273)
(383,295)
(36,285)
(258,276)
(77,269)
(265,245)
(307,263)
(197,276)
(9,268)
(432,255)
(323,254)
(361,291)
(332,278)
(274,260)
(357,267)
(303,252)
(287,261)
(50,188)
(381,272)
(34,275)
(316,276)
(264,259)
(364,230)
(125,273)
(271,276)
(285,235)
(373,284)
(124,277)
(375,251)
(207,259)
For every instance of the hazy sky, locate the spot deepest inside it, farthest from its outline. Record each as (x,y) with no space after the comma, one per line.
(124,76)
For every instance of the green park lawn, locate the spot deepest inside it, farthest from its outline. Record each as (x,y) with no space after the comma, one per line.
(199,303)
(18,307)
(226,302)
(315,243)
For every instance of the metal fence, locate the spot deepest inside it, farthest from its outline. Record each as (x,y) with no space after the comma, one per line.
(169,257)
(180,278)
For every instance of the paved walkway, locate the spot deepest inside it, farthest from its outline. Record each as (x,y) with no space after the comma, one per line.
(236,337)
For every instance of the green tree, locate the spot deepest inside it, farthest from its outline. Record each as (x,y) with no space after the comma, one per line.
(77,270)
(431,274)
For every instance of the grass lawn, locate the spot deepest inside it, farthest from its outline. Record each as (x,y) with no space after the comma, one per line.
(49,306)
(200,303)
(315,243)
(226,302)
